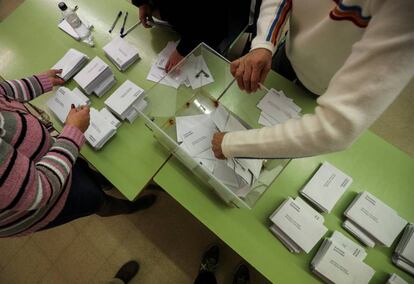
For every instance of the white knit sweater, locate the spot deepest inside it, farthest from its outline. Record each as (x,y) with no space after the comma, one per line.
(358,55)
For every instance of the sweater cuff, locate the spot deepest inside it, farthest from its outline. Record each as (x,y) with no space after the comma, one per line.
(263,44)
(74,134)
(45,81)
(226,145)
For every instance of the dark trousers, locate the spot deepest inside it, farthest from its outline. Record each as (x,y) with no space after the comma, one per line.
(206,277)
(85,197)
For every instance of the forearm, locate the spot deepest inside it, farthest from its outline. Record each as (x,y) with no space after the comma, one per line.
(272,18)
(380,66)
(26,89)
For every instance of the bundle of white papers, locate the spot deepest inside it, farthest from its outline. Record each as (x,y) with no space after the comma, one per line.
(372,221)
(395,279)
(96,77)
(194,72)
(339,260)
(108,116)
(100,130)
(195,134)
(127,101)
(277,108)
(404,252)
(71,63)
(326,187)
(297,225)
(60,103)
(121,53)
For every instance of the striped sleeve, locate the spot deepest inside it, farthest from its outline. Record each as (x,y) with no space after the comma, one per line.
(26,89)
(25,185)
(273,17)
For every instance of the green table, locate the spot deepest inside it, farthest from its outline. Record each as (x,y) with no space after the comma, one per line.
(30,42)
(375,166)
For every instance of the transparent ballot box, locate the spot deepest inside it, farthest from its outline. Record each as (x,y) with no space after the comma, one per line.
(198,98)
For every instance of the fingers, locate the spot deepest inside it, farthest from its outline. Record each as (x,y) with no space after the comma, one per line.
(57,81)
(54,72)
(168,66)
(254,80)
(246,78)
(239,75)
(233,67)
(216,145)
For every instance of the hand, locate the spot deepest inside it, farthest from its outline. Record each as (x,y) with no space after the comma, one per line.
(54,79)
(252,68)
(79,117)
(216,145)
(145,15)
(174,59)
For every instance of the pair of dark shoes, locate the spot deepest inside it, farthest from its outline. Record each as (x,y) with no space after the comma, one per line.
(210,261)
(128,271)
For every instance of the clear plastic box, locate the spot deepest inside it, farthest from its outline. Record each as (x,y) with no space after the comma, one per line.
(165,103)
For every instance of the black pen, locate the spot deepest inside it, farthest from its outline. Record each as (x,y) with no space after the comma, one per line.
(116,21)
(130,29)
(123,25)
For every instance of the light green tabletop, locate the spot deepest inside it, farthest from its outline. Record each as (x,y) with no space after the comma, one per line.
(30,42)
(375,166)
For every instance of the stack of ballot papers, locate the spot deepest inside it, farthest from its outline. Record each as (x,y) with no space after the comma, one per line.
(193,73)
(326,187)
(96,77)
(195,134)
(395,279)
(121,53)
(372,221)
(60,103)
(107,115)
(71,63)
(277,108)
(100,130)
(297,225)
(340,260)
(127,101)
(404,252)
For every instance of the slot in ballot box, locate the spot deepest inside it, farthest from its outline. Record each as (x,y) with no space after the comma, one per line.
(185,110)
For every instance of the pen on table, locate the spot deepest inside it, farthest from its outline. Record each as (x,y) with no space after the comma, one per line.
(131,28)
(123,24)
(263,87)
(116,21)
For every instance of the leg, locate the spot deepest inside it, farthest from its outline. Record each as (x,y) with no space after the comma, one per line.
(125,273)
(208,266)
(205,277)
(86,198)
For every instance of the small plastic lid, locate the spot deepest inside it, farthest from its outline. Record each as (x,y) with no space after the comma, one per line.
(62,6)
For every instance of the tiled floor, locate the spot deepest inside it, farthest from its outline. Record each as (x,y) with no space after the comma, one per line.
(166,240)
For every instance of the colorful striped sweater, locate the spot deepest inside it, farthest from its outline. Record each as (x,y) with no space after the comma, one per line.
(358,55)
(35,169)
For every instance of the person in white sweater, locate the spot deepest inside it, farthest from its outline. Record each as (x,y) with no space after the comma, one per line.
(357,55)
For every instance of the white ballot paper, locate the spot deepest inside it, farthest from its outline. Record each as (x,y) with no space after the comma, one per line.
(277,108)
(334,264)
(122,53)
(326,186)
(300,223)
(348,245)
(404,252)
(108,116)
(395,279)
(60,103)
(95,77)
(71,63)
(375,218)
(186,123)
(99,131)
(123,101)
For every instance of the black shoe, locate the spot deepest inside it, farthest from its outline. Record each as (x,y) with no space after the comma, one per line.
(210,259)
(128,271)
(144,202)
(242,275)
